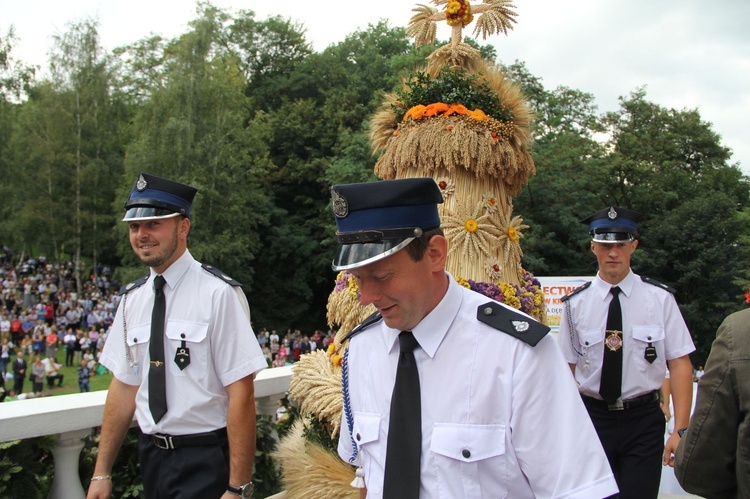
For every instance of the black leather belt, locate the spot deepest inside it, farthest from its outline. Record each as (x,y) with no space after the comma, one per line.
(163,441)
(621,405)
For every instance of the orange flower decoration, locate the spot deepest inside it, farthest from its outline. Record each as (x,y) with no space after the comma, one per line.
(458,109)
(478,115)
(416,112)
(436,108)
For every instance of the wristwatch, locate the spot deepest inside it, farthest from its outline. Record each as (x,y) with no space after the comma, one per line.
(681,431)
(244,491)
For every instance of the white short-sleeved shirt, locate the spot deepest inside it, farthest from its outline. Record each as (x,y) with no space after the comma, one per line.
(650,316)
(513,407)
(212,318)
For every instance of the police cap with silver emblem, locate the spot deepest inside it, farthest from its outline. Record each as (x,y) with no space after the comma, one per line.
(613,225)
(154,197)
(376,219)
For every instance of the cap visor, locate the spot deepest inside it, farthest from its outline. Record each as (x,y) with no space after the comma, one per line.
(140,213)
(352,256)
(613,237)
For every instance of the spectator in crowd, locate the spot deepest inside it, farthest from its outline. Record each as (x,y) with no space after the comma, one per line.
(16,330)
(69,340)
(37,339)
(19,373)
(84,342)
(89,358)
(84,375)
(49,314)
(27,324)
(6,353)
(280,361)
(274,349)
(52,372)
(37,376)
(51,341)
(93,339)
(4,325)
(283,350)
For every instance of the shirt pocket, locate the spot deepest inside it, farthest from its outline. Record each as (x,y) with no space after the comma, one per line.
(187,340)
(642,337)
(137,343)
(476,454)
(366,433)
(591,345)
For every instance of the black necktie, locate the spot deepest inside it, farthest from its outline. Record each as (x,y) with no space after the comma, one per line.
(404,450)
(157,385)
(611,385)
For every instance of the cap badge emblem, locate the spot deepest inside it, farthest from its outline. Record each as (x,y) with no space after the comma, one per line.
(141,183)
(611,214)
(340,206)
(520,326)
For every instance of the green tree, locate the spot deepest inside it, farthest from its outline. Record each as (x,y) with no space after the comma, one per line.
(568,160)
(319,138)
(64,154)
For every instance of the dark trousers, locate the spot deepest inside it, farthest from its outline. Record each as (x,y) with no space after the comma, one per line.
(18,385)
(51,380)
(69,356)
(200,472)
(633,440)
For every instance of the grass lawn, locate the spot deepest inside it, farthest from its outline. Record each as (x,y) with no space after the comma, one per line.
(70,380)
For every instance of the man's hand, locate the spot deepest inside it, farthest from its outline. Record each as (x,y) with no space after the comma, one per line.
(670,448)
(100,489)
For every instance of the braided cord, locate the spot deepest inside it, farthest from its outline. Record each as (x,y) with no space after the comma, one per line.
(128,354)
(348,405)
(572,329)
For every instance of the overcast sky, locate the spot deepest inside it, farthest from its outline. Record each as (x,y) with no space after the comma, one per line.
(687,53)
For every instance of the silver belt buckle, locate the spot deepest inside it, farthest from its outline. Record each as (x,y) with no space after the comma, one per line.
(617,406)
(163,441)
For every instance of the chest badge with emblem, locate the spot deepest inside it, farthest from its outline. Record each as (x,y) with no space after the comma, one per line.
(182,355)
(613,340)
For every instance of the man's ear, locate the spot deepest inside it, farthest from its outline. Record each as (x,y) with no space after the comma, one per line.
(184,228)
(437,252)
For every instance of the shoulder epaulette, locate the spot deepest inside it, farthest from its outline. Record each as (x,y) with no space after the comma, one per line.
(517,325)
(221,275)
(132,285)
(658,284)
(576,291)
(372,319)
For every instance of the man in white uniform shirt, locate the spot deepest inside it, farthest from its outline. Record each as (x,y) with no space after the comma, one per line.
(651,336)
(198,438)
(496,415)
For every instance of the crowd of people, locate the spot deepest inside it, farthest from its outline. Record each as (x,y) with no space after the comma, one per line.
(45,323)
(286,349)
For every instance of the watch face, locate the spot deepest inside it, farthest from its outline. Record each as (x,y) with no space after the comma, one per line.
(247,490)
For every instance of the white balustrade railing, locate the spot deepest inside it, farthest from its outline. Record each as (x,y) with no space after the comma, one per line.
(71,418)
